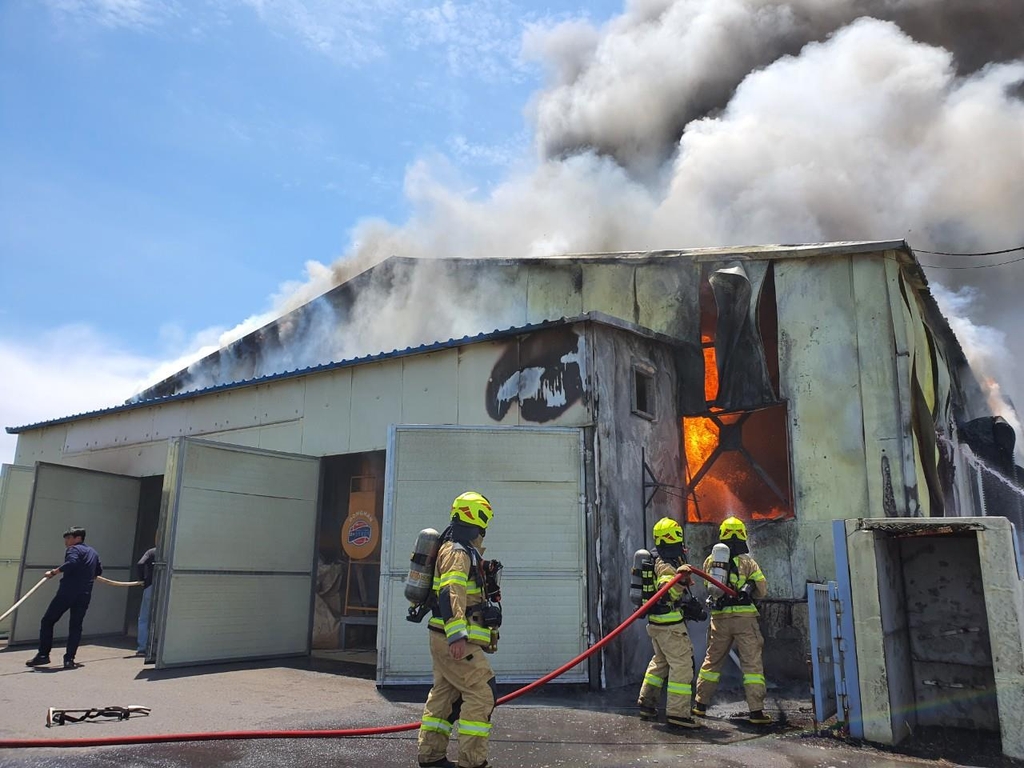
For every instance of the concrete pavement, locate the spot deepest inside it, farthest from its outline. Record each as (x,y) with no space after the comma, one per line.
(556,726)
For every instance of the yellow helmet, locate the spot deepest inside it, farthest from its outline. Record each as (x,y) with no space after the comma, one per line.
(732,527)
(473,508)
(667,531)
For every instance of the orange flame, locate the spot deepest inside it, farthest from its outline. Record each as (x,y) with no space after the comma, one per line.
(710,374)
(700,435)
(730,486)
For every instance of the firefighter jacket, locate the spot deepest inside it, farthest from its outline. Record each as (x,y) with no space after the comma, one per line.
(667,610)
(458,588)
(743,570)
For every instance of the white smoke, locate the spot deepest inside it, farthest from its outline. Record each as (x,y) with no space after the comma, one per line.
(986,351)
(686,123)
(868,135)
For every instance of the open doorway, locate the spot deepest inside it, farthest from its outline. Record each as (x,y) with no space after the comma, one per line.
(150,490)
(348,562)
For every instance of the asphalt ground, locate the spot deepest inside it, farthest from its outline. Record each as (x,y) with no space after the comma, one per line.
(556,726)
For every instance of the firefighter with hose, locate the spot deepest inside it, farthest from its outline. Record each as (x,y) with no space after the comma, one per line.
(463,626)
(671,666)
(734,621)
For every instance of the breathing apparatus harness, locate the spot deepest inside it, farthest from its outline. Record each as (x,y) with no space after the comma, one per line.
(486,574)
(675,555)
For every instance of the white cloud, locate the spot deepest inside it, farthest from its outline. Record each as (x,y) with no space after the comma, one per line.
(479,38)
(347,32)
(499,155)
(65,371)
(74,369)
(116,13)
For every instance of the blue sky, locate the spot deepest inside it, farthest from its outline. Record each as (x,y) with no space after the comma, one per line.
(168,166)
(171,169)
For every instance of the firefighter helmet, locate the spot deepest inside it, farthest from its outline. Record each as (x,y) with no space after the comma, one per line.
(473,508)
(667,531)
(732,527)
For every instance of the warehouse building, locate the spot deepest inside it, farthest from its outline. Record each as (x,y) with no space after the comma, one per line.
(788,385)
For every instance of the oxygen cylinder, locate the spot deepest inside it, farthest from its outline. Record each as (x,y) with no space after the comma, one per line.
(719,568)
(421,566)
(642,561)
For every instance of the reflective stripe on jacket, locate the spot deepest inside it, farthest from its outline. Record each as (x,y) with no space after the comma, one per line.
(667,610)
(454,570)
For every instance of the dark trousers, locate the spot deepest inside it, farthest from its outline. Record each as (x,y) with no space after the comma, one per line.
(61,604)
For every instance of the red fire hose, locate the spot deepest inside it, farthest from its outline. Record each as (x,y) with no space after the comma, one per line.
(163,738)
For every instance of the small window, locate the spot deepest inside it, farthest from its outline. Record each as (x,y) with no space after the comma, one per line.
(643,391)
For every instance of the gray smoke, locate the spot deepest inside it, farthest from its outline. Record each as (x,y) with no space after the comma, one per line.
(631,90)
(684,123)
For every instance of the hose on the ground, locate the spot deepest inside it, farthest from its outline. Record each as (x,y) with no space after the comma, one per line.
(333,733)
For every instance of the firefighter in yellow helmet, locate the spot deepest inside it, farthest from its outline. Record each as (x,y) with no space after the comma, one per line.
(463,690)
(671,667)
(734,622)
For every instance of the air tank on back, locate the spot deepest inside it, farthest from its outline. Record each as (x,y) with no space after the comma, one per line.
(642,561)
(719,568)
(421,566)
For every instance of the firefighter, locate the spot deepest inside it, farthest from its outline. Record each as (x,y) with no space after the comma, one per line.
(671,666)
(463,689)
(734,621)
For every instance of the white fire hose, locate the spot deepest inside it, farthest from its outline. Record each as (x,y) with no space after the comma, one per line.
(113,583)
(43,580)
(26,596)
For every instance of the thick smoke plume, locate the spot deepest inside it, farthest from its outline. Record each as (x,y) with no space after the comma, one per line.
(684,123)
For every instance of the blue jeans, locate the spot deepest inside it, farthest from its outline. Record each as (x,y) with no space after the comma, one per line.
(147,599)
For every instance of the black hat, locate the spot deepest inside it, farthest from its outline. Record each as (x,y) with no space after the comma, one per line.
(75,530)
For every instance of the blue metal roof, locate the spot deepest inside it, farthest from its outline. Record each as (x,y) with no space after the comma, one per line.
(423,348)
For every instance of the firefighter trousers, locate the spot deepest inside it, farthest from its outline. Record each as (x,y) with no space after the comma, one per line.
(463,692)
(741,630)
(671,668)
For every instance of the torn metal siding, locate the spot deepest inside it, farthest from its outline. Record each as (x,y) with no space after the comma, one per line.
(621,438)
(743,381)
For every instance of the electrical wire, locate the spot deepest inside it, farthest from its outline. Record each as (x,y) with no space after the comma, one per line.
(973,266)
(974,253)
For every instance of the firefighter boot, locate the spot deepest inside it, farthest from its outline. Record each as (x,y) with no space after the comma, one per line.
(441,762)
(699,709)
(682,722)
(647,711)
(759,718)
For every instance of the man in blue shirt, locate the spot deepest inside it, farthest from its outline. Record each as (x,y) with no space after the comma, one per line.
(80,569)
